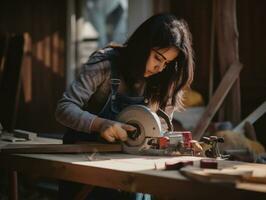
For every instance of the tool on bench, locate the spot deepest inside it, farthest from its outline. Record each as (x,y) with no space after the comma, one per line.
(149,138)
(213,151)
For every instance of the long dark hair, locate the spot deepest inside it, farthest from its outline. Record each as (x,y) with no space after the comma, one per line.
(160,31)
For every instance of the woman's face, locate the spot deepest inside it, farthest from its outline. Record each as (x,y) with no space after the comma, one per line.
(159,59)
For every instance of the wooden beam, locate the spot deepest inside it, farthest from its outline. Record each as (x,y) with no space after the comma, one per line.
(11,82)
(84,192)
(212,49)
(13,185)
(217,99)
(227,44)
(60,148)
(251,118)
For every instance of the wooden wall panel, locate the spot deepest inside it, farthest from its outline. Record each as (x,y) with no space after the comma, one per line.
(43,70)
(252,43)
(198,15)
(251,21)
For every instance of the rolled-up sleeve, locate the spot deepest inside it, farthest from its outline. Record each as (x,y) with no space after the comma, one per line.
(70,108)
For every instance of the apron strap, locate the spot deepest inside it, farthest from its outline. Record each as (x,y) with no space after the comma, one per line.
(167,119)
(115,82)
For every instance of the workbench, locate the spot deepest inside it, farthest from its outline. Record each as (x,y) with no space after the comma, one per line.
(129,173)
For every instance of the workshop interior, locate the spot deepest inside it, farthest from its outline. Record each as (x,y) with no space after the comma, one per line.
(217,140)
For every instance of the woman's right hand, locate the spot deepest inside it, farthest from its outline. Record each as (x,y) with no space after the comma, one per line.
(111,130)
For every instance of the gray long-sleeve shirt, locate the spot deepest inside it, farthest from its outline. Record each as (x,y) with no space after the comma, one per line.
(87,95)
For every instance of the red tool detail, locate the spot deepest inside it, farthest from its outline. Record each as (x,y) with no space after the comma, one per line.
(187,138)
(163,142)
(208,164)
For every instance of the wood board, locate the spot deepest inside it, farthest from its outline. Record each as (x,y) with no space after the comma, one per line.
(129,173)
(228,172)
(217,100)
(60,148)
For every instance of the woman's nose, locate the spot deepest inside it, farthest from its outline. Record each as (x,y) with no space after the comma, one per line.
(158,68)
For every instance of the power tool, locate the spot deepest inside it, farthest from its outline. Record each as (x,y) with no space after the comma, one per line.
(149,138)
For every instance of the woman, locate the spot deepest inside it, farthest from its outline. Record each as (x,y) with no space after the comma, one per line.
(152,68)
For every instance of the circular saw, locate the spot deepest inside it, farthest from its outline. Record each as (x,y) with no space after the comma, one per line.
(148,138)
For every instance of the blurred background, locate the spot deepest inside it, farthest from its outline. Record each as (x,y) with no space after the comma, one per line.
(48,41)
(60,35)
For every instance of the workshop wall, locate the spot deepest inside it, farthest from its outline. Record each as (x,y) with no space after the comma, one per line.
(252,42)
(251,19)
(44,74)
(43,66)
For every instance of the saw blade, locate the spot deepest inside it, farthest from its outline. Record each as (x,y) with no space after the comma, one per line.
(146,122)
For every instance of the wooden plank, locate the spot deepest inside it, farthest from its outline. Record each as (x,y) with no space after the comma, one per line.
(24,134)
(83,193)
(227,50)
(37,140)
(251,118)
(60,148)
(13,185)
(217,99)
(212,46)
(228,173)
(3,50)
(11,81)
(214,175)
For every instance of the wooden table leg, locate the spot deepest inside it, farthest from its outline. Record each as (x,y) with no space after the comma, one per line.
(13,185)
(84,192)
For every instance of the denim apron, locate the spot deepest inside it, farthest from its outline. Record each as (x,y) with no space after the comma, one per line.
(115,103)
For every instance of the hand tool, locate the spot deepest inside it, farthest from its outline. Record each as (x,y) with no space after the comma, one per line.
(213,151)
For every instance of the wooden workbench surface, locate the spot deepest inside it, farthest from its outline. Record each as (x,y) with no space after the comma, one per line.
(37,140)
(132,173)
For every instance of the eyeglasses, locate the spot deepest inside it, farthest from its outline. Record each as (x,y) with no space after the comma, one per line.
(162,59)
